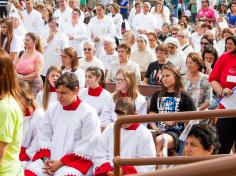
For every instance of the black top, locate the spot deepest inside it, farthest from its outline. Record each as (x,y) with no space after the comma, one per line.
(168,103)
(153,72)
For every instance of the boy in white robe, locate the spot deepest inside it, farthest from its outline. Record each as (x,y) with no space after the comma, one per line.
(69,131)
(136,142)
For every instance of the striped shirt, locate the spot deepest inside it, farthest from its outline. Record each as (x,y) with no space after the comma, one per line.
(3,3)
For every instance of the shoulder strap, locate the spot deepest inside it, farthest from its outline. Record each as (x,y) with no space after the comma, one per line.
(185,47)
(21,53)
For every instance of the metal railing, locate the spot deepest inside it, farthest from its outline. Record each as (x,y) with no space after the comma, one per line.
(180,116)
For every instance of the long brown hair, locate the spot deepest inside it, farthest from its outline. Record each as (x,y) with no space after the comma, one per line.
(27,94)
(37,40)
(8,22)
(46,88)
(179,87)
(8,81)
(72,53)
(132,88)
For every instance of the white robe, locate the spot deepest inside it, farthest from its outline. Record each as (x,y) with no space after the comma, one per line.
(52,50)
(108,59)
(32,21)
(136,143)
(94,62)
(108,115)
(80,74)
(79,32)
(68,134)
(97,102)
(101,28)
(29,136)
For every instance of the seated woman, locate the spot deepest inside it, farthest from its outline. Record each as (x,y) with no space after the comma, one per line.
(94,94)
(70,63)
(89,58)
(171,98)
(32,117)
(143,55)
(33,58)
(196,83)
(153,74)
(209,56)
(202,140)
(48,95)
(136,142)
(124,62)
(126,86)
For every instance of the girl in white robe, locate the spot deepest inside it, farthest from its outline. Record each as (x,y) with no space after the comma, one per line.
(32,117)
(67,135)
(126,86)
(48,95)
(136,142)
(95,95)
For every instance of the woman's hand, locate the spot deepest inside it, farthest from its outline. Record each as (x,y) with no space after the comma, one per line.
(52,165)
(226,92)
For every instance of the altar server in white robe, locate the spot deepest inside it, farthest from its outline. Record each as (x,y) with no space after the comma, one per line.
(32,19)
(136,142)
(126,86)
(76,32)
(32,117)
(94,94)
(53,43)
(48,95)
(99,27)
(145,21)
(63,14)
(67,135)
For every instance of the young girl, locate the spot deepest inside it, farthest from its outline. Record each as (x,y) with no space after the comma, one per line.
(70,63)
(48,95)
(171,98)
(136,142)
(95,94)
(32,117)
(126,86)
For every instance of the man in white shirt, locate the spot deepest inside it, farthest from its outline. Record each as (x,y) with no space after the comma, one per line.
(63,14)
(134,11)
(144,21)
(32,19)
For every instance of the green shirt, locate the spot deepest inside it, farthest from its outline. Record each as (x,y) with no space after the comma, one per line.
(11,123)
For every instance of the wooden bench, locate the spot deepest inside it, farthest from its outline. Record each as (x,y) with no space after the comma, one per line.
(145,90)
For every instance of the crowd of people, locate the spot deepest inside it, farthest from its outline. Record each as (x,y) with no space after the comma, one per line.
(56,115)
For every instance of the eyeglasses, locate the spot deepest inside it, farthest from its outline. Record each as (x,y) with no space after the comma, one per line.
(64,56)
(173,33)
(171,47)
(204,43)
(87,49)
(119,80)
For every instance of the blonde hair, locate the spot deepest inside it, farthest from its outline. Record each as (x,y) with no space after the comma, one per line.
(132,88)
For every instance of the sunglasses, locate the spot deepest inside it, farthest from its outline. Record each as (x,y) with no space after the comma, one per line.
(87,49)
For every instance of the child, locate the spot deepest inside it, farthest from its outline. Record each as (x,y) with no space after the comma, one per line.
(171,98)
(136,142)
(95,94)
(69,131)
(48,95)
(32,117)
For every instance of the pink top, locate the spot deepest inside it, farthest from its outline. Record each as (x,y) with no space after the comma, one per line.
(27,65)
(207,13)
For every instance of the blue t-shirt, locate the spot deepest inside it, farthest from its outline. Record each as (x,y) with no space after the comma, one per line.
(231,19)
(122,5)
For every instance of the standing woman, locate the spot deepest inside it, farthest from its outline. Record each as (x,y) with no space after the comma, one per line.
(171,98)
(222,79)
(8,41)
(32,117)
(33,59)
(126,86)
(76,31)
(11,120)
(48,95)
(94,94)
(70,63)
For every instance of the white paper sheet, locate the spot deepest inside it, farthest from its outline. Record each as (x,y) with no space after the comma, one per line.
(230,101)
